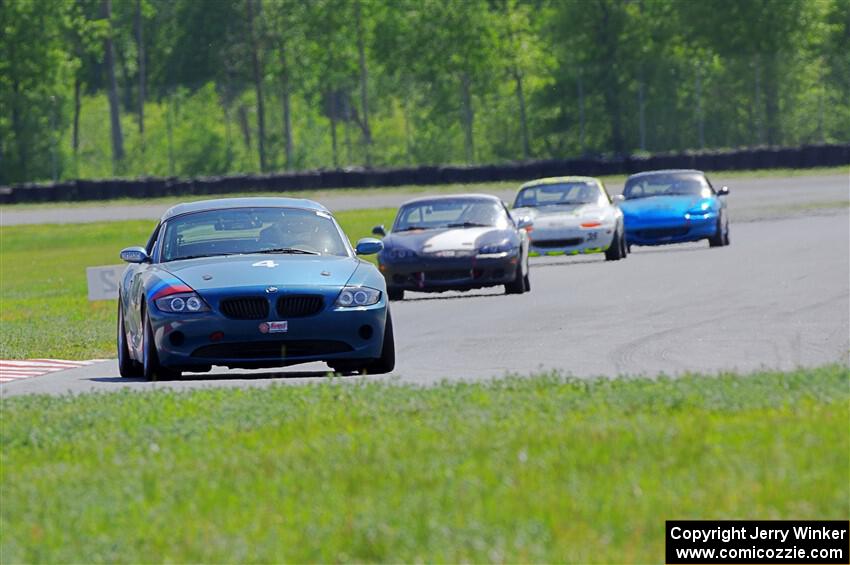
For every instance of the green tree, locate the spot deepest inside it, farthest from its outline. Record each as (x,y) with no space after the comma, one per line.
(35,71)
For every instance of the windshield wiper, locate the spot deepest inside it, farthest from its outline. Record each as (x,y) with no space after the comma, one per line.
(411,228)
(468,225)
(200,256)
(292,250)
(565,203)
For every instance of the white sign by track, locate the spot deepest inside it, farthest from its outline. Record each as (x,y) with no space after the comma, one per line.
(104,281)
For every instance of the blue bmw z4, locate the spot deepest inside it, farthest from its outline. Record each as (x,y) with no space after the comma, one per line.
(251,283)
(674,206)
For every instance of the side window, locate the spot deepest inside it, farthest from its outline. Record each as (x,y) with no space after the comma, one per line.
(414,215)
(508,214)
(605,193)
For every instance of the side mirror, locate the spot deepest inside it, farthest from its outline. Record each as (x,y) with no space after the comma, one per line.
(135,255)
(369,246)
(617,198)
(379,230)
(724,190)
(524,222)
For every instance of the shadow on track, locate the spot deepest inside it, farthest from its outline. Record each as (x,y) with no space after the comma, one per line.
(563,262)
(229,376)
(672,248)
(439,296)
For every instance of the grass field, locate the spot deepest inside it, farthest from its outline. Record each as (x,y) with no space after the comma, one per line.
(543,469)
(320,195)
(44,310)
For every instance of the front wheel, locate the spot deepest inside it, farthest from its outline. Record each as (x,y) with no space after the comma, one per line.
(127,367)
(618,249)
(151,369)
(518,285)
(721,237)
(386,362)
(383,364)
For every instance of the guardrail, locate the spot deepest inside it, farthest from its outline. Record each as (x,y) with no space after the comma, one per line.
(743,159)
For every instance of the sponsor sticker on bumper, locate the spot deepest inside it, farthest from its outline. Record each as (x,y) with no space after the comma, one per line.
(274,327)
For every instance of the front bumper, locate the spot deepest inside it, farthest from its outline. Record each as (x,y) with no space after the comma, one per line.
(203,340)
(570,240)
(459,273)
(671,230)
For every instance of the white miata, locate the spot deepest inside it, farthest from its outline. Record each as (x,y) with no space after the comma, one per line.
(570,215)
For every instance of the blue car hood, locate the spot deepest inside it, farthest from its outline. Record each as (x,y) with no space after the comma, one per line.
(662,206)
(231,271)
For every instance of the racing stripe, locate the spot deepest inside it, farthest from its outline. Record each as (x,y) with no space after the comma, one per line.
(453,240)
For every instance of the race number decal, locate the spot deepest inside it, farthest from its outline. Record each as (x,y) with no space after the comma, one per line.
(103,281)
(591,235)
(269,264)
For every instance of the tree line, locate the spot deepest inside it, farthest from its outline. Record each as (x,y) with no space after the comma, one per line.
(99,88)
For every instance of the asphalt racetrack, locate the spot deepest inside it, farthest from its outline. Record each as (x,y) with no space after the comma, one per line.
(778,297)
(751,198)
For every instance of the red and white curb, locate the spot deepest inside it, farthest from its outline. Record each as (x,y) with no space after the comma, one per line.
(13,370)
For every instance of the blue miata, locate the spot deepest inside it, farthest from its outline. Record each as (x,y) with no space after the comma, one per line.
(674,206)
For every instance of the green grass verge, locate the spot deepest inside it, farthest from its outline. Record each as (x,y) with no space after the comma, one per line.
(543,469)
(44,309)
(320,195)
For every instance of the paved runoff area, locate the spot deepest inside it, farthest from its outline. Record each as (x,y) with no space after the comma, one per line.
(753,198)
(778,297)
(16,369)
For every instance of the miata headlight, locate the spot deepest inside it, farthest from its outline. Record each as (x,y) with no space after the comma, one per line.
(399,254)
(699,213)
(703,208)
(357,296)
(184,302)
(495,249)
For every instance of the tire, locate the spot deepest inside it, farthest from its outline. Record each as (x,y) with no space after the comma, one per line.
(395,293)
(383,364)
(517,286)
(526,280)
(618,249)
(151,369)
(386,362)
(127,367)
(721,238)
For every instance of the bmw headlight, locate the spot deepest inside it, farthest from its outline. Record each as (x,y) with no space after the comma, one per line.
(357,296)
(183,302)
(496,249)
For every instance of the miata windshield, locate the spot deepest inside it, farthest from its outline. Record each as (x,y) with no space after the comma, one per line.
(450,213)
(558,194)
(667,184)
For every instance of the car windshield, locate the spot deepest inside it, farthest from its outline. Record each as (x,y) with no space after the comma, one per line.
(450,213)
(666,184)
(558,194)
(251,230)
